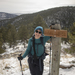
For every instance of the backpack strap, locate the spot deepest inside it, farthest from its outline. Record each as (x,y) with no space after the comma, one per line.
(34,56)
(41,39)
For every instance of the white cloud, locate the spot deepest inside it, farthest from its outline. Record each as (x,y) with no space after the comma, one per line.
(29,6)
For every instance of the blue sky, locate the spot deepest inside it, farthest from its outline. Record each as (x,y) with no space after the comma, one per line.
(32,6)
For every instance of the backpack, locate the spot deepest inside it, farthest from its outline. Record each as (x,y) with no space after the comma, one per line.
(35,56)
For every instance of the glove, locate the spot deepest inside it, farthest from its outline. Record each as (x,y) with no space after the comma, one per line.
(20,58)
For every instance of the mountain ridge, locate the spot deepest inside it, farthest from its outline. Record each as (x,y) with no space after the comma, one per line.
(63,15)
(4,15)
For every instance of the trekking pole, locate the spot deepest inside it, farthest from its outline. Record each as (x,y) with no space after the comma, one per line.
(21,64)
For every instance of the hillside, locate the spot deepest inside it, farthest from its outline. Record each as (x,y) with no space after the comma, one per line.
(4,15)
(63,15)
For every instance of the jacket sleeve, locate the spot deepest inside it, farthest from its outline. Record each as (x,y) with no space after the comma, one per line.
(28,49)
(46,38)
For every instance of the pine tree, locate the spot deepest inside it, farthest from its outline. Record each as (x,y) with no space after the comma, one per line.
(71,35)
(3,31)
(11,35)
(39,21)
(30,29)
(23,33)
(14,35)
(9,38)
(1,43)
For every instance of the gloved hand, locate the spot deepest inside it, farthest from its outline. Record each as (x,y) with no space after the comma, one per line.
(20,58)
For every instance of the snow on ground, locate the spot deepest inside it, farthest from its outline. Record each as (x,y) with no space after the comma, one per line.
(19,47)
(70,71)
(11,66)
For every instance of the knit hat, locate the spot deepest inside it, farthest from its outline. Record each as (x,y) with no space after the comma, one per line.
(39,28)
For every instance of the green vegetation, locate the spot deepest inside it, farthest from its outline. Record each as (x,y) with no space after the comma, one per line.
(23,33)
(38,21)
(1,42)
(71,40)
(11,34)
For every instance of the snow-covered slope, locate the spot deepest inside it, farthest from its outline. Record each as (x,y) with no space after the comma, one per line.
(11,65)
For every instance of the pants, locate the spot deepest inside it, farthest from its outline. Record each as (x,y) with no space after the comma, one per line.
(35,67)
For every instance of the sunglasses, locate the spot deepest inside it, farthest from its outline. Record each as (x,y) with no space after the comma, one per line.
(38,32)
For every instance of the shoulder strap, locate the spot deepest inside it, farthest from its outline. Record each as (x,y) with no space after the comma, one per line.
(41,39)
(33,38)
